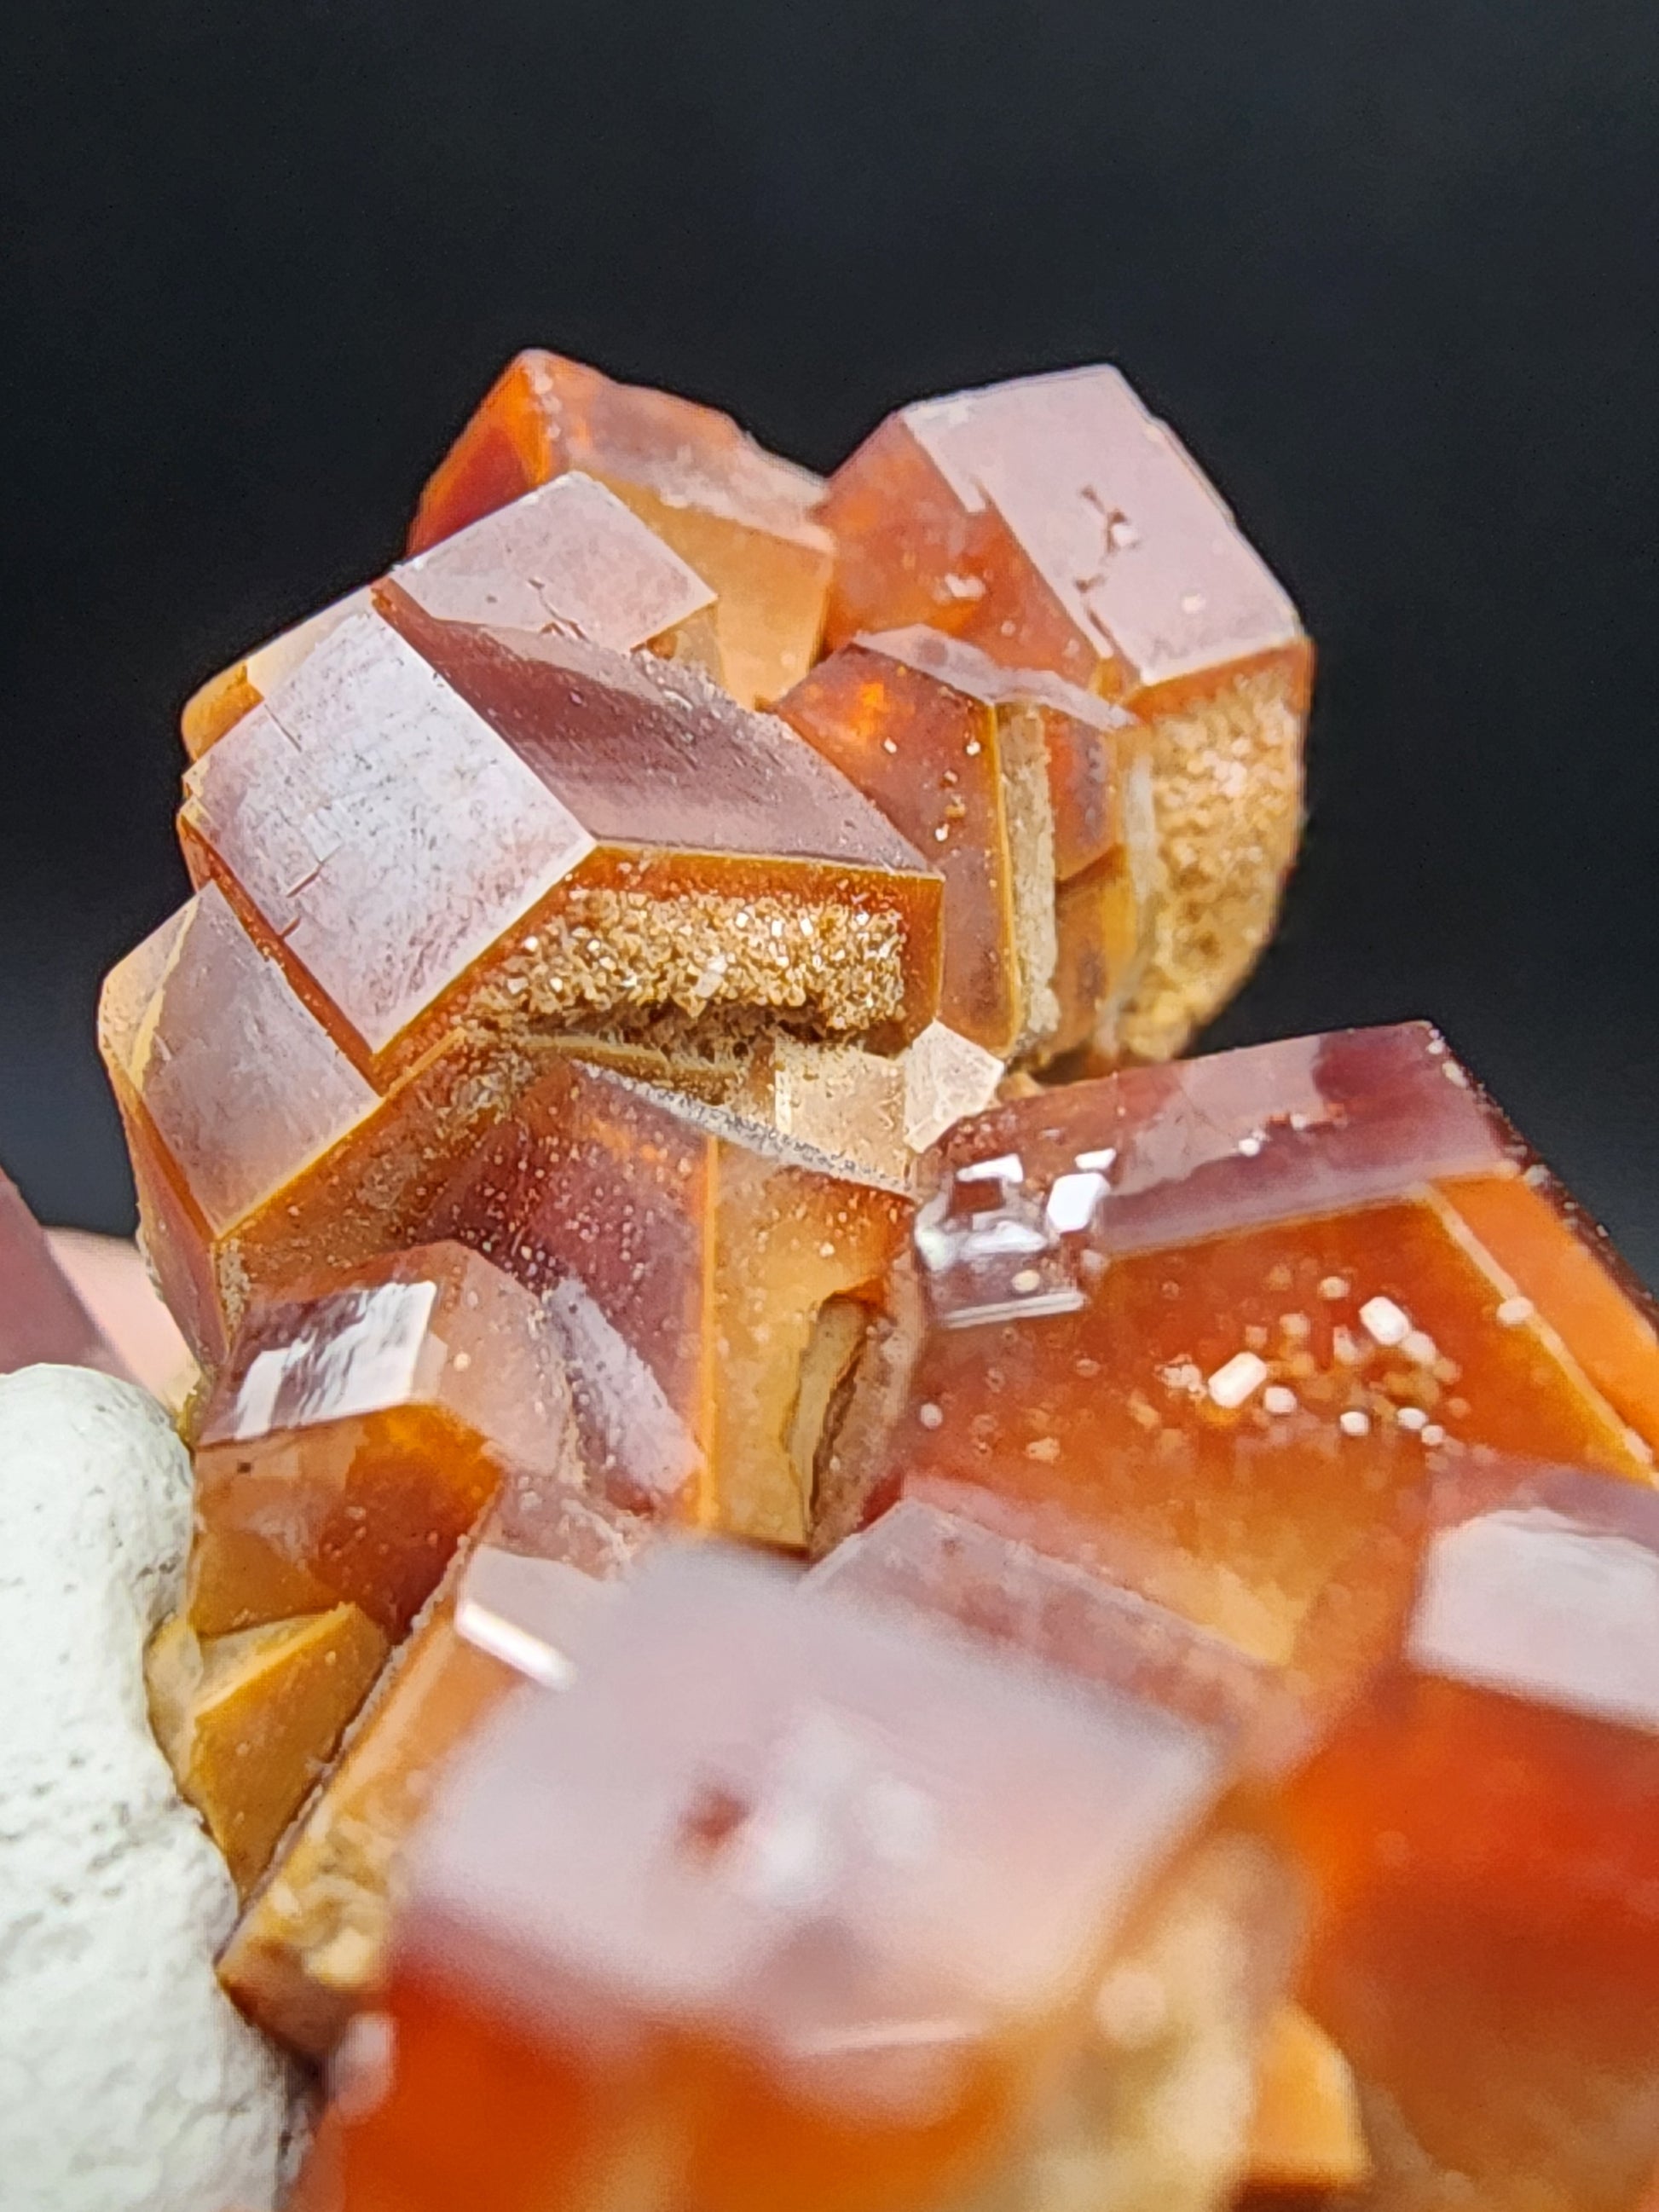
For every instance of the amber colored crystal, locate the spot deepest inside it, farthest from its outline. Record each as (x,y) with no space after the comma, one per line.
(1306,2133)
(740,516)
(1074,1620)
(355,1436)
(41,1315)
(784,1902)
(1055,524)
(1209,1326)
(261,1156)
(1482,1835)
(568,556)
(310,1948)
(710,1281)
(249,1721)
(504,833)
(1009,782)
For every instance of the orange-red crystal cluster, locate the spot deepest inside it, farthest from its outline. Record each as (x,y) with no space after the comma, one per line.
(673,1040)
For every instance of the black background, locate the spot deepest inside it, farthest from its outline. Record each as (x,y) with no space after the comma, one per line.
(1388,269)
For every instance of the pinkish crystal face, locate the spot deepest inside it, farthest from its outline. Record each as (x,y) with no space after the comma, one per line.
(242,1084)
(785,1817)
(566,556)
(379,827)
(1114,516)
(41,1316)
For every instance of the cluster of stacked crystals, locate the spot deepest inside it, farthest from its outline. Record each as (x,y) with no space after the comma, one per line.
(673,1040)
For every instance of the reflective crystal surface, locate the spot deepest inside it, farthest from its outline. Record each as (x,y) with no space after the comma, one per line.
(740,516)
(1055,522)
(1210,1325)
(355,1436)
(782,1902)
(710,1282)
(249,1720)
(1482,1837)
(568,556)
(501,830)
(514,1608)
(1010,782)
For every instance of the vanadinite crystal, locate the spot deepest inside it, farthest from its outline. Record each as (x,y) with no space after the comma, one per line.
(784,1902)
(1483,1836)
(1055,524)
(355,1435)
(515,1607)
(568,556)
(743,518)
(416,891)
(1024,792)
(711,1281)
(580,1117)
(1208,1325)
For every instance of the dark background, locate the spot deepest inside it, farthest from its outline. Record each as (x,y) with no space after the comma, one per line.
(1388,269)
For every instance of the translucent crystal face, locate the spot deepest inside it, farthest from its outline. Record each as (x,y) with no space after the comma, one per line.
(741,517)
(1481,1835)
(566,556)
(1010,782)
(684,1258)
(756,1871)
(414,833)
(1232,1310)
(354,1438)
(1056,523)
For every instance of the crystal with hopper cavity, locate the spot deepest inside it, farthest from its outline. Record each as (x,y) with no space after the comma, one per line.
(566,556)
(710,1280)
(41,1315)
(1481,1837)
(249,1721)
(1055,524)
(355,1435)
(1009,781)
(739,515)
(1208,1325)
(441,828)
(783,1902)
(261,1156)
(515,1607)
